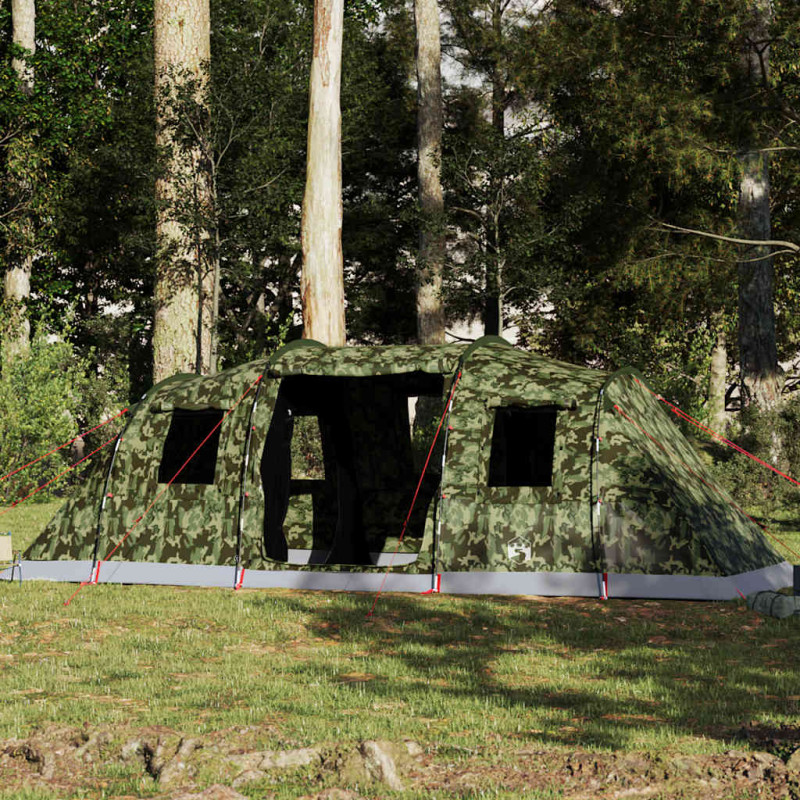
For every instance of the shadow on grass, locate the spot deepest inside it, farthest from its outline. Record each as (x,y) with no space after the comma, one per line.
(574,671)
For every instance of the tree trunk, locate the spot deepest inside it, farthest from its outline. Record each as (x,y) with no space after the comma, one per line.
(493,313)
(211,269)
(185,275)
(761,376)
(717,383)
(430,260)
(17,278)
(23,24)
(322,279)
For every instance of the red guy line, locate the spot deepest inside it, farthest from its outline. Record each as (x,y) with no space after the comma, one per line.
(719,437)
(60,474)
(160,494)
(62,446)
(416,493)
(709,485)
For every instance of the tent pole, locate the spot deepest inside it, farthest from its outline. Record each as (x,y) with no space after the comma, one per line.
(106,484)
(439,509)
(243,486)
(595,498)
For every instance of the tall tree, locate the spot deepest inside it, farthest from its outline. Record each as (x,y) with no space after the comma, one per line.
(17,282)
(483,36)
(641,146)
(489,40)
(493,315)
(186,277)
(431,255)
(761,376)
(322,280)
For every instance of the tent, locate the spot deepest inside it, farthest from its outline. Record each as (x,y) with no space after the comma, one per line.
(546,479)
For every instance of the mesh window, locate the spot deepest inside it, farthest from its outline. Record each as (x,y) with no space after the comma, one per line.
(523,441)
(186,431)
(307,460)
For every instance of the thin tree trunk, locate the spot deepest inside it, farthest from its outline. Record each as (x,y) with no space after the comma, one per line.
(17,278)
(761,376)
(287,272)
(185,289)
(322,279)
(717,383)
(493,313)
(213,361)
(430,260)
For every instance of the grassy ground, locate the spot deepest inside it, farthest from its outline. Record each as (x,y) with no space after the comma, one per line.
(783,531)
(26,521)
(476,681)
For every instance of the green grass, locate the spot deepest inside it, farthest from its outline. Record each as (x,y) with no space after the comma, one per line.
(26,521)
(474,678)
(619,674)
(470,678)
(782,529)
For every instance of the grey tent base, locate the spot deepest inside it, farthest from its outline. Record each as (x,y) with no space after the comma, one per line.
(589,584)
(548,584)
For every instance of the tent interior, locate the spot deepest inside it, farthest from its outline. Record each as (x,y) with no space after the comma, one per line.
(341,463)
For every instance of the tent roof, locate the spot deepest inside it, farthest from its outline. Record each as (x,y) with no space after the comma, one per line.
(490,356)
(312,358)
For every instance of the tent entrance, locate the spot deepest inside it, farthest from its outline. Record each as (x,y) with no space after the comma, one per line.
(340,465)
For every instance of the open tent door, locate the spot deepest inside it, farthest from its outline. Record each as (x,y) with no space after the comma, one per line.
(339,469)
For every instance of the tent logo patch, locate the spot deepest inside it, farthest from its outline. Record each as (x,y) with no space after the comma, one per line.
(519,550)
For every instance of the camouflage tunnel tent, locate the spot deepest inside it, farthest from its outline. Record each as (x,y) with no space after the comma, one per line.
(547,479)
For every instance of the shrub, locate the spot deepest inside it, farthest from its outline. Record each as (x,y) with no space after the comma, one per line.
(772,437)
(44,400)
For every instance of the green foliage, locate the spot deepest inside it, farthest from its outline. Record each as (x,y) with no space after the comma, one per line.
(615,120)
(495,185)
(80,71)
(76,160)
(307,456)
(771,437)
(640,123)
(44,400)
(253,137)
(493,164)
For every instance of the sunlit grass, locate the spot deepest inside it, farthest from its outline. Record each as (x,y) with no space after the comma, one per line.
(26,521)
(464,671)
(468,678)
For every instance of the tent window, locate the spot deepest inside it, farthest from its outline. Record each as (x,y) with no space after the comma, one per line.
(187,430)
(523,441)
(306,449)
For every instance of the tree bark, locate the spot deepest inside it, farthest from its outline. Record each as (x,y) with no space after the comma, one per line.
(761,377)
(17,278)
(185,279)
(23,25)
(430,260)
(717,383)
(322,279)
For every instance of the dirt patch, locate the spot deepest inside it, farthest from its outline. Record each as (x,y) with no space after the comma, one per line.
(233,763)
(781,740)
(581,775)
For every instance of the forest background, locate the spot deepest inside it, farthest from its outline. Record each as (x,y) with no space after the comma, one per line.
(593,162)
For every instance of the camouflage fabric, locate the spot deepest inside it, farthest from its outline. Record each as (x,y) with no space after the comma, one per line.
(189,523)
(518,528)
(659,511)
(366,361)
